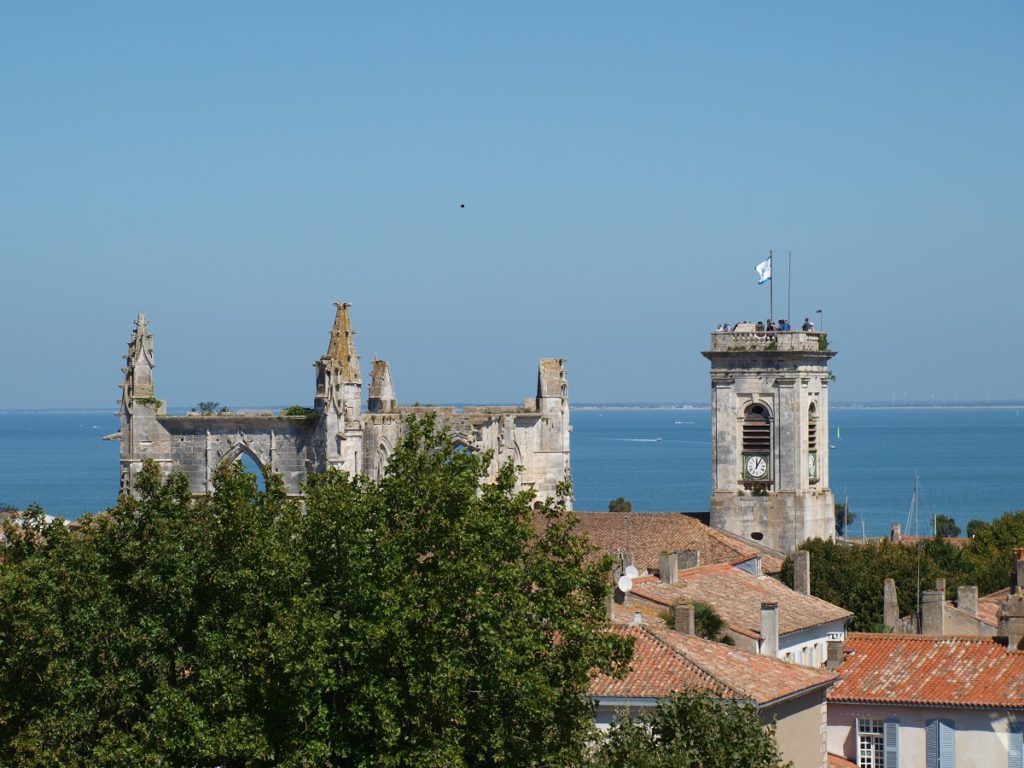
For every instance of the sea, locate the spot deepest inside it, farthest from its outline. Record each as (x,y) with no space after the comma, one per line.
(968,461)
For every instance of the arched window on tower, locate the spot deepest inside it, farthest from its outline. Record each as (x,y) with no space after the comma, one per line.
(812,443)
(757,447)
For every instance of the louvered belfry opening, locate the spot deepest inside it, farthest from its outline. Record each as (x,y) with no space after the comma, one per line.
(812,443)
(757,441)
(757,430)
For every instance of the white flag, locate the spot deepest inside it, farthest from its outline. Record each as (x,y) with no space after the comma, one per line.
(764,271)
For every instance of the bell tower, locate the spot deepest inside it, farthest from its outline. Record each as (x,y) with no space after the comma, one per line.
(769,436)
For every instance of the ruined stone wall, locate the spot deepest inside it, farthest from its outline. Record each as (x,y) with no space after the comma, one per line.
(336,433)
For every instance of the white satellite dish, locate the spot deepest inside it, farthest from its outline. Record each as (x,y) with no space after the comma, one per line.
(632,572)
(625,584)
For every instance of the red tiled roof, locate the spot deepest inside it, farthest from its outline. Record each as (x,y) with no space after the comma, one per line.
(835,761)
(666,661)
(922,669)
(651,533)
(737,595)
(988,606)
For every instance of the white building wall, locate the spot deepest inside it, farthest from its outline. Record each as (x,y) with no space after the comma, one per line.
(981,737)
(809,646)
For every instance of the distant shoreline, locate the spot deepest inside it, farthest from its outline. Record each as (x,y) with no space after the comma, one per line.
(619,406)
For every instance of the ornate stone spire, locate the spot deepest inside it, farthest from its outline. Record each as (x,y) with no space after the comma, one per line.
(381,397)
(139,370)
(342,349)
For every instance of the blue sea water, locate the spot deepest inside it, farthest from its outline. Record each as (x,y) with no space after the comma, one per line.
(970,461)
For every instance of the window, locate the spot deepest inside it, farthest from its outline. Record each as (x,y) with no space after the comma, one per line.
(878,743)
(870,744)
(1016,745)
(939,745)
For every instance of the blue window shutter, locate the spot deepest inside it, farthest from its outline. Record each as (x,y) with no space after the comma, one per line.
(931,744)
(891,736)
(947,753)
(1016,745)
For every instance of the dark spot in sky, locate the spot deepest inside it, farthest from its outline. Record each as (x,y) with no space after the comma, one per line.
(462,205)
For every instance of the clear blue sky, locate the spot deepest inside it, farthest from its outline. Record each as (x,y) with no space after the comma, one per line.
(234,168)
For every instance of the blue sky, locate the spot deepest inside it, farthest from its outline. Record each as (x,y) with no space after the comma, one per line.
(234,168)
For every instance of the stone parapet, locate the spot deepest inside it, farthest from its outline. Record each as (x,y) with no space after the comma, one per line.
(775,341)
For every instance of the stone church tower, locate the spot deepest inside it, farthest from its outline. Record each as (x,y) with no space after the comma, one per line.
(769,436)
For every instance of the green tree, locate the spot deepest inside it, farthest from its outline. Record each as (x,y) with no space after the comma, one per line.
(990,552)
(620,504)
(691,730)
(210,407)
(708,624)
(946,527)
(421,621)
(975,527)
(844,518)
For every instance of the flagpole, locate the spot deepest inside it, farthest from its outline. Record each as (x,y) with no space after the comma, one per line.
(789,289)
(771,290)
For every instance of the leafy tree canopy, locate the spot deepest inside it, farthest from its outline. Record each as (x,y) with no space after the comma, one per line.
(708,624)
(620,504)
(975,527)
(210,407)
(691,730)
(421,621)
(852,575)
(946,527)
(844,517)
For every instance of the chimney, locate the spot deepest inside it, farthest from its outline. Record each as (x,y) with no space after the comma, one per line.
(770,629)
(684,618)
(638,618)
(890,605)
(669,568)
(940,585)
(688,558)
(894,533)
(802,571)
(834,649)
(967,599)
(1017,575)
(933,616)
(1011,622)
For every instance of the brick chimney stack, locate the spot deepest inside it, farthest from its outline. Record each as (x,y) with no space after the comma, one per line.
(1011,622)
(1017,575)
(967,599)
(684,622)
(770,629)
(890,605)
(668,571)
(933,614)
(802,571)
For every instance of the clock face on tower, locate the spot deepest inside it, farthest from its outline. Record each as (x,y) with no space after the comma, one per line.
(756,467)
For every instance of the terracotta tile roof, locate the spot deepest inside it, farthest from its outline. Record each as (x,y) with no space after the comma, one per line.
(988,606)
(835,761)
(655,672)
(651,533)
(922,669)
(737,595)
(666,661)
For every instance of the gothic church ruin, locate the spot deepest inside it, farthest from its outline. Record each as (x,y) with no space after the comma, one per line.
(336,433)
